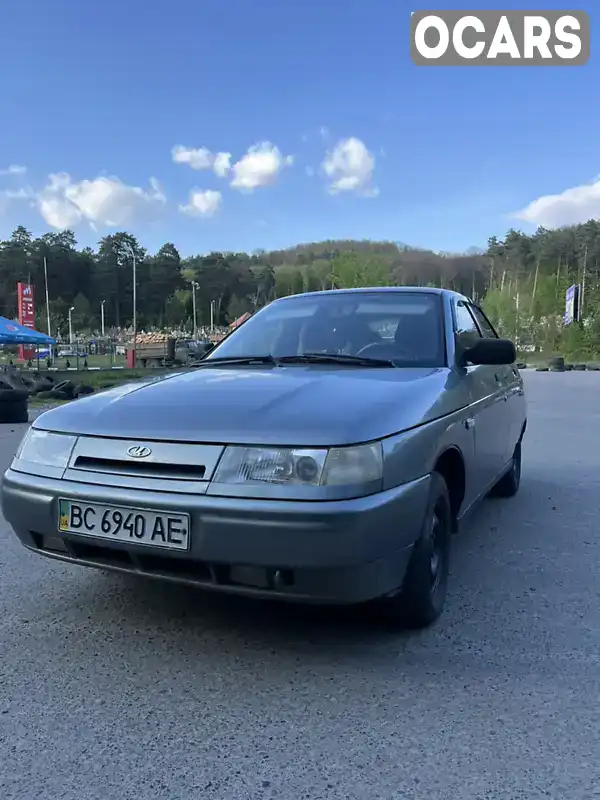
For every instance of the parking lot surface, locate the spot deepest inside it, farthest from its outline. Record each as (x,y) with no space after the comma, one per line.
(116,687)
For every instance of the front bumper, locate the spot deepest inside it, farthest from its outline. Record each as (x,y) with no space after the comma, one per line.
(345,551)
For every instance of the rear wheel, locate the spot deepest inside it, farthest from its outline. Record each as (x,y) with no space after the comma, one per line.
(420,600)
(509,483)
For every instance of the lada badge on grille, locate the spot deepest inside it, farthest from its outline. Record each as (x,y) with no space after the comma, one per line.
(138,451)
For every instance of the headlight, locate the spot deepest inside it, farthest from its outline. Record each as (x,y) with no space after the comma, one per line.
(301,466)
(46,449)
(271,465)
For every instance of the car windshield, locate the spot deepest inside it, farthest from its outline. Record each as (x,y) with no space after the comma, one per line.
(404,327)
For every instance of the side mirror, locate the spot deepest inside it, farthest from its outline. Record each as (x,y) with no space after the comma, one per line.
(490,352)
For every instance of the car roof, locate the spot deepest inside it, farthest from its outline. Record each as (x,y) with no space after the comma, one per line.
(386,289)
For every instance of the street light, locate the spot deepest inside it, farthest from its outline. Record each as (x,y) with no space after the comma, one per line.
(130,251)
(194,287)
(212,316)
(71,324)
(102,315)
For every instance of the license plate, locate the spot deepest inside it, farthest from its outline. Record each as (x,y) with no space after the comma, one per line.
(168,529)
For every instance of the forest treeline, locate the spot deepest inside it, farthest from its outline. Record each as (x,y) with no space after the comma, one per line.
(521,280)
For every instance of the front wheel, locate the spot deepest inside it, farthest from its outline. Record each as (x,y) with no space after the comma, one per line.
(420,600)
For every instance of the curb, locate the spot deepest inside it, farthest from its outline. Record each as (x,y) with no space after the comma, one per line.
(76,369)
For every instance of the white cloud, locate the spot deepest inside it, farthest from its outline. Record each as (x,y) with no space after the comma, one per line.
(579,204)
(202,158)
(104,201)
(14,169)
(18,194)
(222,164)
(259,167)
(349,168)
(202,203)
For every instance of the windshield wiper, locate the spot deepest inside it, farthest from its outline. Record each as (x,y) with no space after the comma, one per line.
(336,358)
(236,360)
(302,358)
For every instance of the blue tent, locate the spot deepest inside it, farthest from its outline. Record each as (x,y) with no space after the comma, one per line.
(13,333)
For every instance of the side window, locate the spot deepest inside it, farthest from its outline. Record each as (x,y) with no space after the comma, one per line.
(466,327)
(485,326)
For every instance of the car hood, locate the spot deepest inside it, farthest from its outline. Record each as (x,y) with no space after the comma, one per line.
(282,405)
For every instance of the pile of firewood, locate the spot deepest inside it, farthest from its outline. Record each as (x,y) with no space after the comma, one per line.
(151,338)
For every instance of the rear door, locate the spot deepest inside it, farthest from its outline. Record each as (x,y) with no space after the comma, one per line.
(488,388)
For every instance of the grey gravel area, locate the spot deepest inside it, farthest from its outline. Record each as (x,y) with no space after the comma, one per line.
(116,687)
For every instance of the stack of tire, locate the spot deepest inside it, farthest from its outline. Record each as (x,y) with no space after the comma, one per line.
(557,364)
(64,390)
(14,403)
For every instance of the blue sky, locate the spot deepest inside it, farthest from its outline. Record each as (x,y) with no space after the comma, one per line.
(107,90)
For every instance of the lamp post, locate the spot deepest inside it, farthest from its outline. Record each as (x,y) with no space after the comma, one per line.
(212,316)
(194,287)
(102,316)
(130,251)
(71,324)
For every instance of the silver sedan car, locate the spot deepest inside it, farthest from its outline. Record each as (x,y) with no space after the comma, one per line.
(325,451)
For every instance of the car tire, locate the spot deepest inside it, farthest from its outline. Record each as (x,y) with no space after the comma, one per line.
(420,600)
(64,390)
(10,395)
(509,483)
(14,412)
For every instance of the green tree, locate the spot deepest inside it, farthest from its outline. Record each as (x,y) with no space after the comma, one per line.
(113,275)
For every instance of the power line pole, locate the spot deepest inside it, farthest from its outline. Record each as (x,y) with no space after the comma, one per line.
(47,297)
(585,254)
(131,252)
(194,287)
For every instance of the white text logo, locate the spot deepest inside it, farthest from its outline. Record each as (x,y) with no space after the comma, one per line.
(500,38)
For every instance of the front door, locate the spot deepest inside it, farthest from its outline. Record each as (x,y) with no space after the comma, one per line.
(512,383)
(487,387)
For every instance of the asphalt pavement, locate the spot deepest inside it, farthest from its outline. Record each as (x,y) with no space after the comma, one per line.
(117,687)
